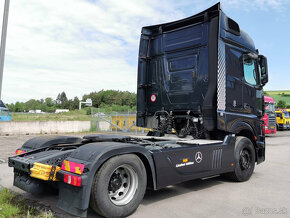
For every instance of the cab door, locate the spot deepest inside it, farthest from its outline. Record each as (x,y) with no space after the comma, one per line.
(279,119)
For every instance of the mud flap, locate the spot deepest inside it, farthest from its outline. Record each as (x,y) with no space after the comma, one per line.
(71,200)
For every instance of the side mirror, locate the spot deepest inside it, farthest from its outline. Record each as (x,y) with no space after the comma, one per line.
(264,69)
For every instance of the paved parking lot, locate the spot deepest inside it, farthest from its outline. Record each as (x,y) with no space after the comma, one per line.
(266,194)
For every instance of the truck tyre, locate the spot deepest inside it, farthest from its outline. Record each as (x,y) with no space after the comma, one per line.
(119,186)
(244,156)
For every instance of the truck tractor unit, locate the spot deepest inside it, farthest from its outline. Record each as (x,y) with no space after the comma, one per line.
(282,119)
(200,77)
(4,112)
(269,117)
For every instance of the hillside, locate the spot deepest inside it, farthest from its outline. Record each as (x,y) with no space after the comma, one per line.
(280,95)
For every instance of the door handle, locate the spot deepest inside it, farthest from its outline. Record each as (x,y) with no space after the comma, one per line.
(193,74)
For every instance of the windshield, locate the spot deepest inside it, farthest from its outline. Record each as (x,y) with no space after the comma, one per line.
(269,107)
(3,113)
(286,114)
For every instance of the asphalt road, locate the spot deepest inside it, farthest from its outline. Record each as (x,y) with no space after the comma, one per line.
(266,194)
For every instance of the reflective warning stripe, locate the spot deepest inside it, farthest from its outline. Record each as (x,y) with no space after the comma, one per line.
(65,165)
(73,167)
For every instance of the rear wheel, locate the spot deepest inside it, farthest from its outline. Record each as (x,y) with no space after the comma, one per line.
(244,160)
(119,186)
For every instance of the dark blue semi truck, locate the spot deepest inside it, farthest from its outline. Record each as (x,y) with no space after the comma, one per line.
(200,77)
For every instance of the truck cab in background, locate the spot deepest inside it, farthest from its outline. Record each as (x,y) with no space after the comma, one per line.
(269,117)
(4,112)
(283,120)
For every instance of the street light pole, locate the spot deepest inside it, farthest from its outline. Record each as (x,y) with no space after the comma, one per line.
(3,41)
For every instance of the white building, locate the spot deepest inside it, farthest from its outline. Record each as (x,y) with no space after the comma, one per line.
(61,110)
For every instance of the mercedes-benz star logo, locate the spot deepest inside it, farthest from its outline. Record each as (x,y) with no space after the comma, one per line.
(198,157)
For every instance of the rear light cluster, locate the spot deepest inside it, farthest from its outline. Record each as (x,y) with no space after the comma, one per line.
(73,180)
(72,167)
(18,151)
(263,129)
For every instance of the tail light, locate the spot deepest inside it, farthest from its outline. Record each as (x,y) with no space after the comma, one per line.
(263,129)
(18,151)
(72,167)
(73,180)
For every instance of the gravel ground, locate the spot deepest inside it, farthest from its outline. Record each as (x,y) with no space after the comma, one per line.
(266,194)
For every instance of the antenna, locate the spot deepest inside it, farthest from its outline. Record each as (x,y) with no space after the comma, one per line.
(3,41)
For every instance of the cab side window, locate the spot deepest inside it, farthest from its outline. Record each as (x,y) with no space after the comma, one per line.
(250,72)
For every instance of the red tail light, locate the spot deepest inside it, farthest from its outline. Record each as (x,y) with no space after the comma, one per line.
(73,180)
(263,129)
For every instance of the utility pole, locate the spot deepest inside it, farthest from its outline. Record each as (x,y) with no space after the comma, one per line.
(3,41)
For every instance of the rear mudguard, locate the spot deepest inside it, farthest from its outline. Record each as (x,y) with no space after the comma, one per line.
(259,144)
(47,141)
(241,125)
(75,200)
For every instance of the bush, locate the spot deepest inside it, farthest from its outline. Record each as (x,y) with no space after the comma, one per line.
(281,104)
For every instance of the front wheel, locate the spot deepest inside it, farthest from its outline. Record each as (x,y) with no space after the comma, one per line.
(119,186)
(244,155)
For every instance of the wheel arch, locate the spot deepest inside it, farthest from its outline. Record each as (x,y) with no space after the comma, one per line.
(246,130)
(151,182)
(104,153)
(46,141)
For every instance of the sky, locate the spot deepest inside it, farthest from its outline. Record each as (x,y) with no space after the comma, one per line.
(81,46)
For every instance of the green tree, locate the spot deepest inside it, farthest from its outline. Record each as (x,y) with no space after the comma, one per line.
(62,100)
(32,104)
(112,97)
(75,103)
(11,107)
(49,102)
(281,104)
(110,100)
(19,107)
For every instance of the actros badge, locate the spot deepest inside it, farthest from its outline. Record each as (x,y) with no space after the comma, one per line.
(198,157)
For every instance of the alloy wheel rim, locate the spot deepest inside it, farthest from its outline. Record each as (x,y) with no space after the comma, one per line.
(122,185)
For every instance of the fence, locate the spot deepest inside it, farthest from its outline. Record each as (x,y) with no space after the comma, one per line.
(40,127)
(115,122)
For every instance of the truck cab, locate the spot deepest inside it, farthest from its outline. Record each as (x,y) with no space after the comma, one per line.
(4,112)
(269,117)
(201,76)
(282,117)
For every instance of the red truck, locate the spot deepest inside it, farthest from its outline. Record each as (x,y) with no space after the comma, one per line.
(269,117)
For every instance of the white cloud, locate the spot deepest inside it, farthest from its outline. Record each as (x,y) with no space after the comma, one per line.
(75,46)
(78,47)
